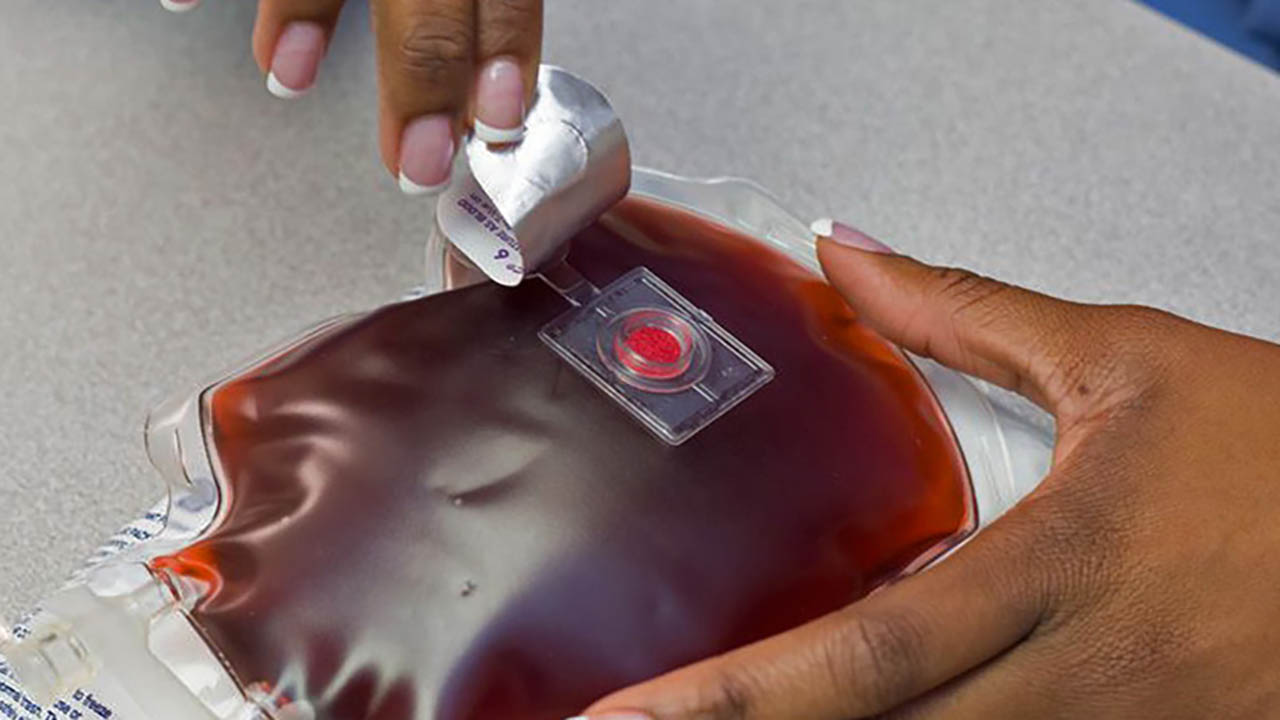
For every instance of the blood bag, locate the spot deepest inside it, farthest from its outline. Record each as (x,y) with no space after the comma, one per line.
(665,440)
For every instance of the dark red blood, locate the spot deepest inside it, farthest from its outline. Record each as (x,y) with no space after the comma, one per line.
(654,345)
(374,473)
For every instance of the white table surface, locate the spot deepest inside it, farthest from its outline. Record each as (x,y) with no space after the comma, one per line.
(161,215)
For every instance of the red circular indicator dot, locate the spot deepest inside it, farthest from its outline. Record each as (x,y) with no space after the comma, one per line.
(653,349)
(654,344)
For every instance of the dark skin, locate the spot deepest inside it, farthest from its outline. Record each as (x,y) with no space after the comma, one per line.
(1142,579)
(429,52)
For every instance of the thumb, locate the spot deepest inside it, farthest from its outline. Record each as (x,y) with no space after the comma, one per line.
(1015,338)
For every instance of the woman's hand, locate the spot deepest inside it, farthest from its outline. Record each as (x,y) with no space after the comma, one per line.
(1142,579)
(443,66)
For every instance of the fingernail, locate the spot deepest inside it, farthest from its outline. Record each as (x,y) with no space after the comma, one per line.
(500,102)
(844,235)
(179,5)
(613,716)
(426,155)
(296,60)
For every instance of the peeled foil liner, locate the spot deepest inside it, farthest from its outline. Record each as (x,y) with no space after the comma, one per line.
(512,208)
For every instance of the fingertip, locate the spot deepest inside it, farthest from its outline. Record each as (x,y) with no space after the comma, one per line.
(497,136)
(295,60)
(822,227)
(500,101)
(849,260)
(278,89)
(409,187)
(851,271)
(179,6)
(848,236)
(427,150)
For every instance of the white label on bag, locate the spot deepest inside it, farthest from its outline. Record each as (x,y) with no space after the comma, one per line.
(470,220)
(82,704)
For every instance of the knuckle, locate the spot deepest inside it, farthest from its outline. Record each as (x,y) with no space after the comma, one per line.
(955,299)
(505,39)
(731,697)
(521,14)
(1127,359)
(962,288)
(1108,358)
(436,49)
(1135,334)
(968,296)
(881,666)
(510,27)
(1138,316)
(1074,371)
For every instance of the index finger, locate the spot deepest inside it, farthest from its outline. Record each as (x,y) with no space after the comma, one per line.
(426,60)
(509,37)
(870,657)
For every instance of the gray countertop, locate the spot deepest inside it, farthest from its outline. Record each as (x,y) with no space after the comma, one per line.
(162,216)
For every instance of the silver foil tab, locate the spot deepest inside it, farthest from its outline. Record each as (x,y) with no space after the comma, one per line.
(511,208)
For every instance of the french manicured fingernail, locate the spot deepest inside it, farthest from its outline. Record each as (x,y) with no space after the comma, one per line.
(426,155)
(613,716)
(179,5)
(500,102)
(844,235)
(296,59)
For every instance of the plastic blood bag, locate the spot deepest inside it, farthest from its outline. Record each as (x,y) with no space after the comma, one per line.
(429,516)
(505,502)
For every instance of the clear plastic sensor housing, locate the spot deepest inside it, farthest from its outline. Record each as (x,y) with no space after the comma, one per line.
(664,361)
